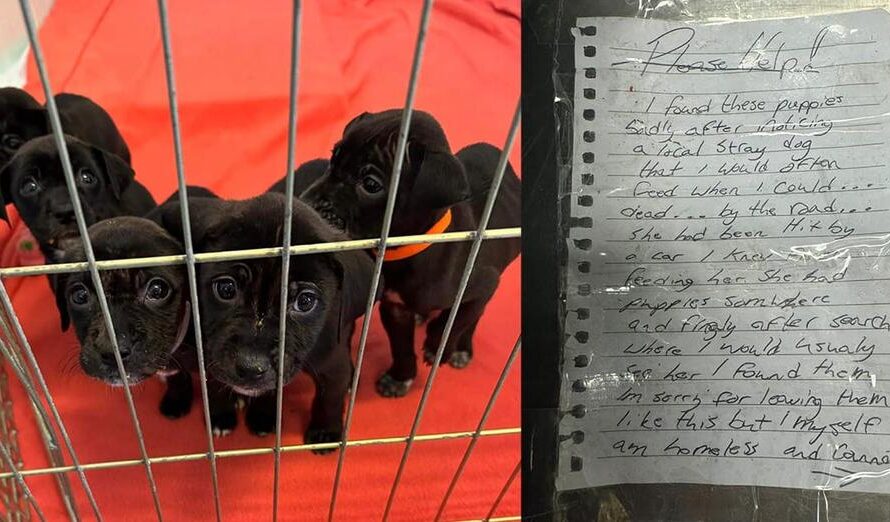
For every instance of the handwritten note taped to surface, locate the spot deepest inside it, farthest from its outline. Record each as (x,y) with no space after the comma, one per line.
(728,291)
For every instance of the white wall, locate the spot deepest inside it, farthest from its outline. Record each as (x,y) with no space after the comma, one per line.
(14,40)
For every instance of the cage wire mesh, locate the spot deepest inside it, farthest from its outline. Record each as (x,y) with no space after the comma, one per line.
(18,356)
(10,490)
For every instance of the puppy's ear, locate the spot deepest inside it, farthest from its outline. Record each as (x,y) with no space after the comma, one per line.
(118,174)
(205,216)
(355,120)
(441,179)
(57,283)
(7,172)
(356,268)
(38,120)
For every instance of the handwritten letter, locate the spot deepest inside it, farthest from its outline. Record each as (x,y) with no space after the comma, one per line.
(728,294)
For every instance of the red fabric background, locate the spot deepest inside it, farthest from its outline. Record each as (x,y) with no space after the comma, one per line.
(232,61)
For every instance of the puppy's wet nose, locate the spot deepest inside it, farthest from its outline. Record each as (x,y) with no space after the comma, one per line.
(251,369)
(64,215)
(108,357)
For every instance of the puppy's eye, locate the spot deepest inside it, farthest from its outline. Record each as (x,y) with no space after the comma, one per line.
(86,177)
(79,295)
(225,288)
(157,289)
(29,186)
(12,141)
(371,182)
(306,301)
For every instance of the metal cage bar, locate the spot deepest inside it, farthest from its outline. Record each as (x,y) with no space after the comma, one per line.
(497,519)
(256,253)
(286,240)
(59,137)
(44,426)
(10,463)
(38,374)
(465,279)
(189,248)
(399,158)
(503,493)
(482,420)
(50,441)
(252,452)
(10,500)
(191,258)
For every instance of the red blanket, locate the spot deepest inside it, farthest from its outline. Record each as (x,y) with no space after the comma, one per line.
(232,61)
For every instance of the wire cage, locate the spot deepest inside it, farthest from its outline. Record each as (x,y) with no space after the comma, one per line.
(20,363)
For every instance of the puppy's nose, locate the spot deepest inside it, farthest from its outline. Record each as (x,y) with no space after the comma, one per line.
(108,357)
(251,369)
(64,214)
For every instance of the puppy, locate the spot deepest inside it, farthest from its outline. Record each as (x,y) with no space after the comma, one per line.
(84,119)
(149,307)
(22,119)
(438,192)
(33,181)
(191,192)
(141,302)
(240,307)
(305,175)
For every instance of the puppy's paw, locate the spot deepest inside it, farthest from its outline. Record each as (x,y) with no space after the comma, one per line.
(429,355)
(321,436)
(259,421)
(223,423)
(460,360)
(174,406)
(387,386)
(219,432)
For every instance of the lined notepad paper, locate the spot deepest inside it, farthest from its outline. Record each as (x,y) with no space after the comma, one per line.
(727,287)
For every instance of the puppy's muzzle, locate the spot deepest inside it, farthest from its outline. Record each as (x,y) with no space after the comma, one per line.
(326,209)
(110,361)
(248,372)
(64,215)
(108,370)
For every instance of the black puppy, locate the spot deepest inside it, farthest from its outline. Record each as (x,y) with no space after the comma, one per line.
(149,308)
(84,119)
(22,119)
(34,182)
(240,307)
(305,175)
(438,192)
(142,303)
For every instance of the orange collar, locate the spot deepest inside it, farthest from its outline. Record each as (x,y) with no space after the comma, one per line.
(406,251)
